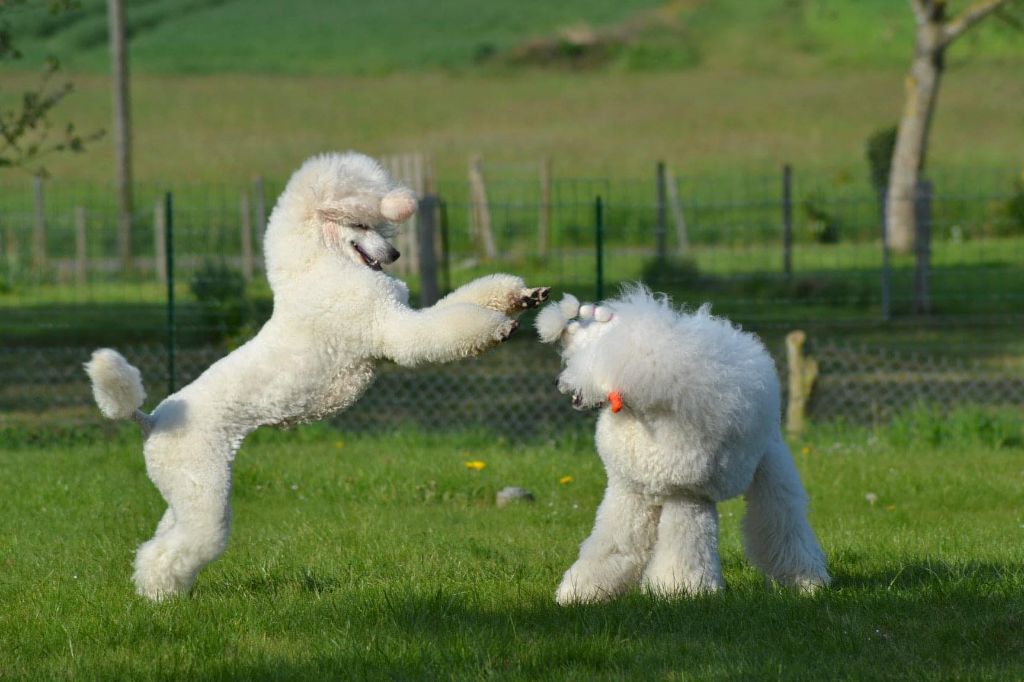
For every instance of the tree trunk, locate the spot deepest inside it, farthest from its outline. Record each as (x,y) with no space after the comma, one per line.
(122,131)
(922,88)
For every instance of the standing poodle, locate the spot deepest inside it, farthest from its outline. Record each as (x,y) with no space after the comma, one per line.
(336,314)
(691,417)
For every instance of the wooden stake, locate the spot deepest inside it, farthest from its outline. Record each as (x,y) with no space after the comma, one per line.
(544,219)
(39,226)
(159,242)
(682,236)
(480,209)
(245,215)
(803,370)
(81,262)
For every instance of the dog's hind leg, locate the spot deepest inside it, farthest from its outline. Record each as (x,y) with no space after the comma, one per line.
(777,536)
(194,529)
(612,558)
(685,559)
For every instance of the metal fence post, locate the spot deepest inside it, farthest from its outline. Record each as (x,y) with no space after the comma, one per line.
(171,329)
(599,245)
(660,230)
(787,219)
(922,246)
(425,226)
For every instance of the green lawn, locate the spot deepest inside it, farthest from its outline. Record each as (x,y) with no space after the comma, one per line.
(385,557)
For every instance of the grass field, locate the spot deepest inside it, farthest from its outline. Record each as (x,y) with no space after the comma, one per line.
(223,91)
(385,557)
(312,36)
(228,128)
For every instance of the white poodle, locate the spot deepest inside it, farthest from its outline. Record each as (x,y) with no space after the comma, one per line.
(336,314)
(690,417)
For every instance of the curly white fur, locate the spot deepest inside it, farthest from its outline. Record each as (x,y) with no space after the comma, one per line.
(700,424)
(116,385)
(336,314)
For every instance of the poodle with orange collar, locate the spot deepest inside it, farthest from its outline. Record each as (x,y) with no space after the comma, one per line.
(690,416)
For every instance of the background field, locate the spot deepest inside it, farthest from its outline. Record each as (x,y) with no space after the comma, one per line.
(226,90)
(386,557)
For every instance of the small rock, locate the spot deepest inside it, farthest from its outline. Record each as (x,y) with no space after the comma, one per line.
(512,493)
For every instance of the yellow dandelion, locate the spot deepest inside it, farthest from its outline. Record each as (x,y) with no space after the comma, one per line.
(890,507)
(339,444)
(565,480)
(475,465)
(806,450)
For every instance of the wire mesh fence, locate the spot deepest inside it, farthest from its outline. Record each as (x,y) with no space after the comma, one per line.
(771,256)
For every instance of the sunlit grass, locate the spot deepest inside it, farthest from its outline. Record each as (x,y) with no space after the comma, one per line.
(356,557)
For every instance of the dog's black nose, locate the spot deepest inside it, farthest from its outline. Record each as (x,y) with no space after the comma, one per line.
(393,255)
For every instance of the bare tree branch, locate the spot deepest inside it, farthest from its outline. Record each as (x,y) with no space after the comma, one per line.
(969,17)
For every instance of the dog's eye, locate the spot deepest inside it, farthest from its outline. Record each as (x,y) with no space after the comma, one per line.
(360,226)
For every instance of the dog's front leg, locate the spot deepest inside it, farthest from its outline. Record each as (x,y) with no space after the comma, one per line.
(441,334)
(504,293)
(613,557)
(685,560)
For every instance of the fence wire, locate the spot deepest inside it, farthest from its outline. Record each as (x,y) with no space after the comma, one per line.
(64,290)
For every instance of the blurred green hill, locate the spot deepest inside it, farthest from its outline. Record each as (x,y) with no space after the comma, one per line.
(383,36)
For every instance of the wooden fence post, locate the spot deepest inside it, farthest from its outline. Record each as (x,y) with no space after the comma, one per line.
(787,219)
(544,218)
(260,208)
(11,240)
(81,257)
(160,241)
(426,256)
(803,370)
(480,210)
(39,226)
(245,217)
(661,228)
(682,237)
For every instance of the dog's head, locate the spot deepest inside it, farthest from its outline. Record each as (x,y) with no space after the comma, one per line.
(579,329)
(346,204)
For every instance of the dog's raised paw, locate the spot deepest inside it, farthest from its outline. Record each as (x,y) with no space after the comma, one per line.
(506,330)
(532,298)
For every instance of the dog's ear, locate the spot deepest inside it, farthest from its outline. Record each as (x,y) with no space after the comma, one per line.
(570,306)
(351,210)
(550,323)
(398,204)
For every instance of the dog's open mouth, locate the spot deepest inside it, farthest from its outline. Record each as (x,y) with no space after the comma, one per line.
(371,262)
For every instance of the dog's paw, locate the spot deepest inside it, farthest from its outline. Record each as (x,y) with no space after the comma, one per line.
(808,584)
(532,298)
(572,591)
(673,586)
(505,330)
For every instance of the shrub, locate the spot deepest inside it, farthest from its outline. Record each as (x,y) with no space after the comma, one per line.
(824,226)
(1015,208)
(677,272)
(220,292)
(879,147)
